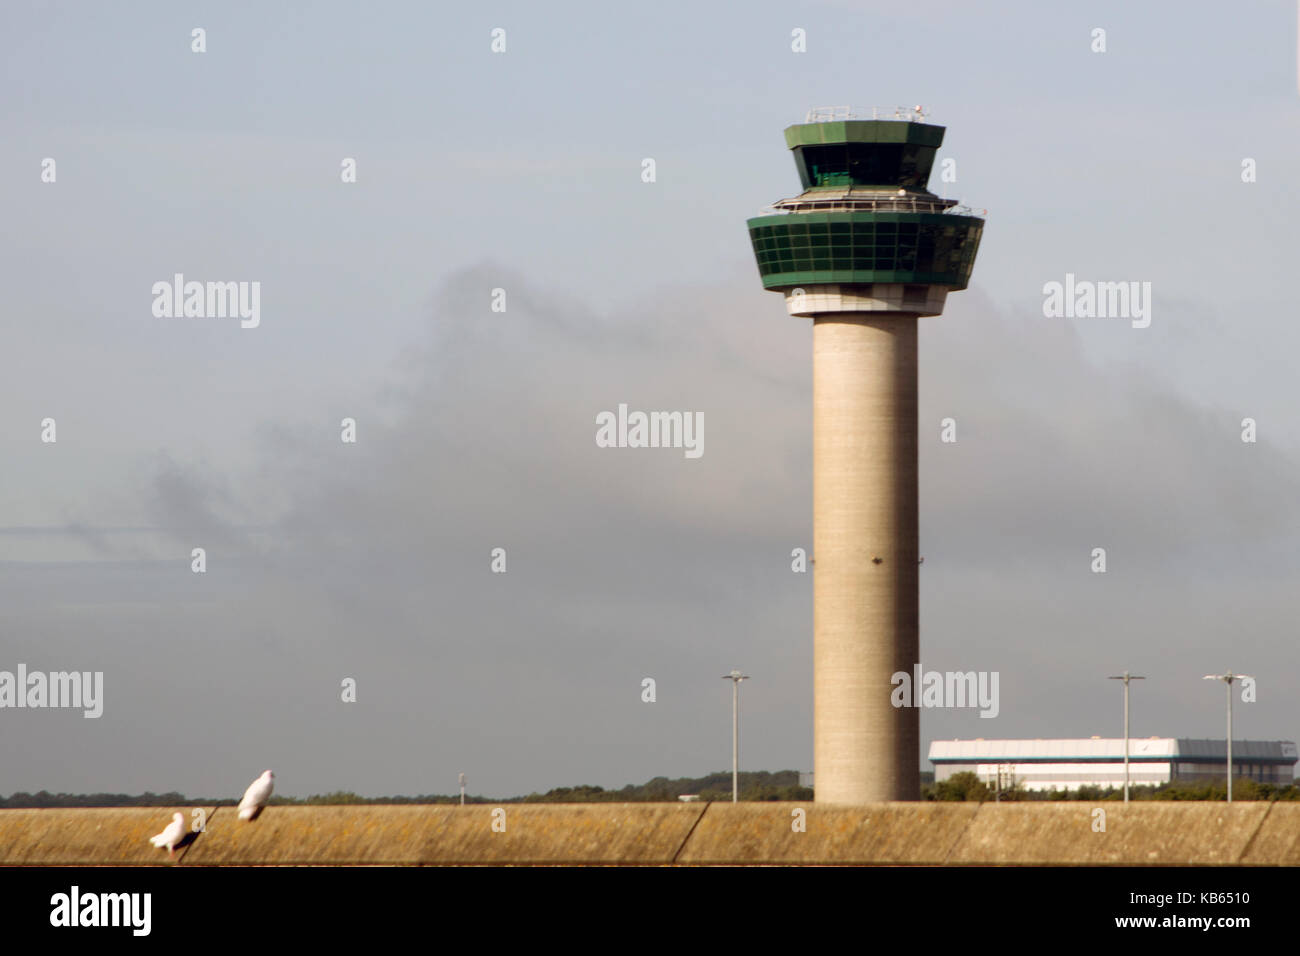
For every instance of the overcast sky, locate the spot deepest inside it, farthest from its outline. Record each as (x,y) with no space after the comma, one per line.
(521,171)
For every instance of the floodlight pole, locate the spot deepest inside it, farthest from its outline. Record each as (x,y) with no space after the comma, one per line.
(1228,679)
(1228,687)
(735,677)
(1126,677)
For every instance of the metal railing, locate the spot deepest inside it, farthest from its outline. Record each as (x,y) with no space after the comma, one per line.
(793,206)
(833,114)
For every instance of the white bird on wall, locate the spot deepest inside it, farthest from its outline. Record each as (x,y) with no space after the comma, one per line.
(255,797)
(172,834)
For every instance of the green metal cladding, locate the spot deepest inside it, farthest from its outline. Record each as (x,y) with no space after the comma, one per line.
(863,131)
(864,153)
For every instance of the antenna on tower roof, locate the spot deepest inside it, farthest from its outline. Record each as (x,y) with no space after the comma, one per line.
(838,114)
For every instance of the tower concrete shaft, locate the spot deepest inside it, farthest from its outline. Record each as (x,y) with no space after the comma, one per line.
(864,251)
(865,599)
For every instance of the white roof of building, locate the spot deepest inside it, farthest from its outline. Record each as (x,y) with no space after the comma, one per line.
(1092,749)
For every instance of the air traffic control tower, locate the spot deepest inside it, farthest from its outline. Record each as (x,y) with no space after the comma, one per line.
(864,251)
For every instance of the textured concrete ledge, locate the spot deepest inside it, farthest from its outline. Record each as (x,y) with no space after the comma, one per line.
(1277,842)
(633,833)
(116,836)
(887,833)
(1144,834)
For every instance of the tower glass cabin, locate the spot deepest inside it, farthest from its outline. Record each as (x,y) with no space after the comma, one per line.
(866,219)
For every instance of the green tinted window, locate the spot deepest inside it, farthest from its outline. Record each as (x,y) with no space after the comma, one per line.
(916,248)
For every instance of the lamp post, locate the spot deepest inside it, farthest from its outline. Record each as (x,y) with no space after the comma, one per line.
(1228,679)
(735,677)
(1126,677)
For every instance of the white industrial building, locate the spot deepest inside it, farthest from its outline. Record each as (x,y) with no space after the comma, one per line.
(1099,761)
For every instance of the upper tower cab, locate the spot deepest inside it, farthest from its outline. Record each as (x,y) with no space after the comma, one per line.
(876,154)
(866,234)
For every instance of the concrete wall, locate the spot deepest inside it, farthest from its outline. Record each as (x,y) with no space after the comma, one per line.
(1146,833)
(534,833)
(90,836)
(876,833)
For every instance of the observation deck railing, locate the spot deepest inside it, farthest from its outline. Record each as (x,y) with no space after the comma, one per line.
(883,204)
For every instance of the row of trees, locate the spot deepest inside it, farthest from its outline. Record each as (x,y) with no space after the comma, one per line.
(754,786)
(757,785)
(45,799)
